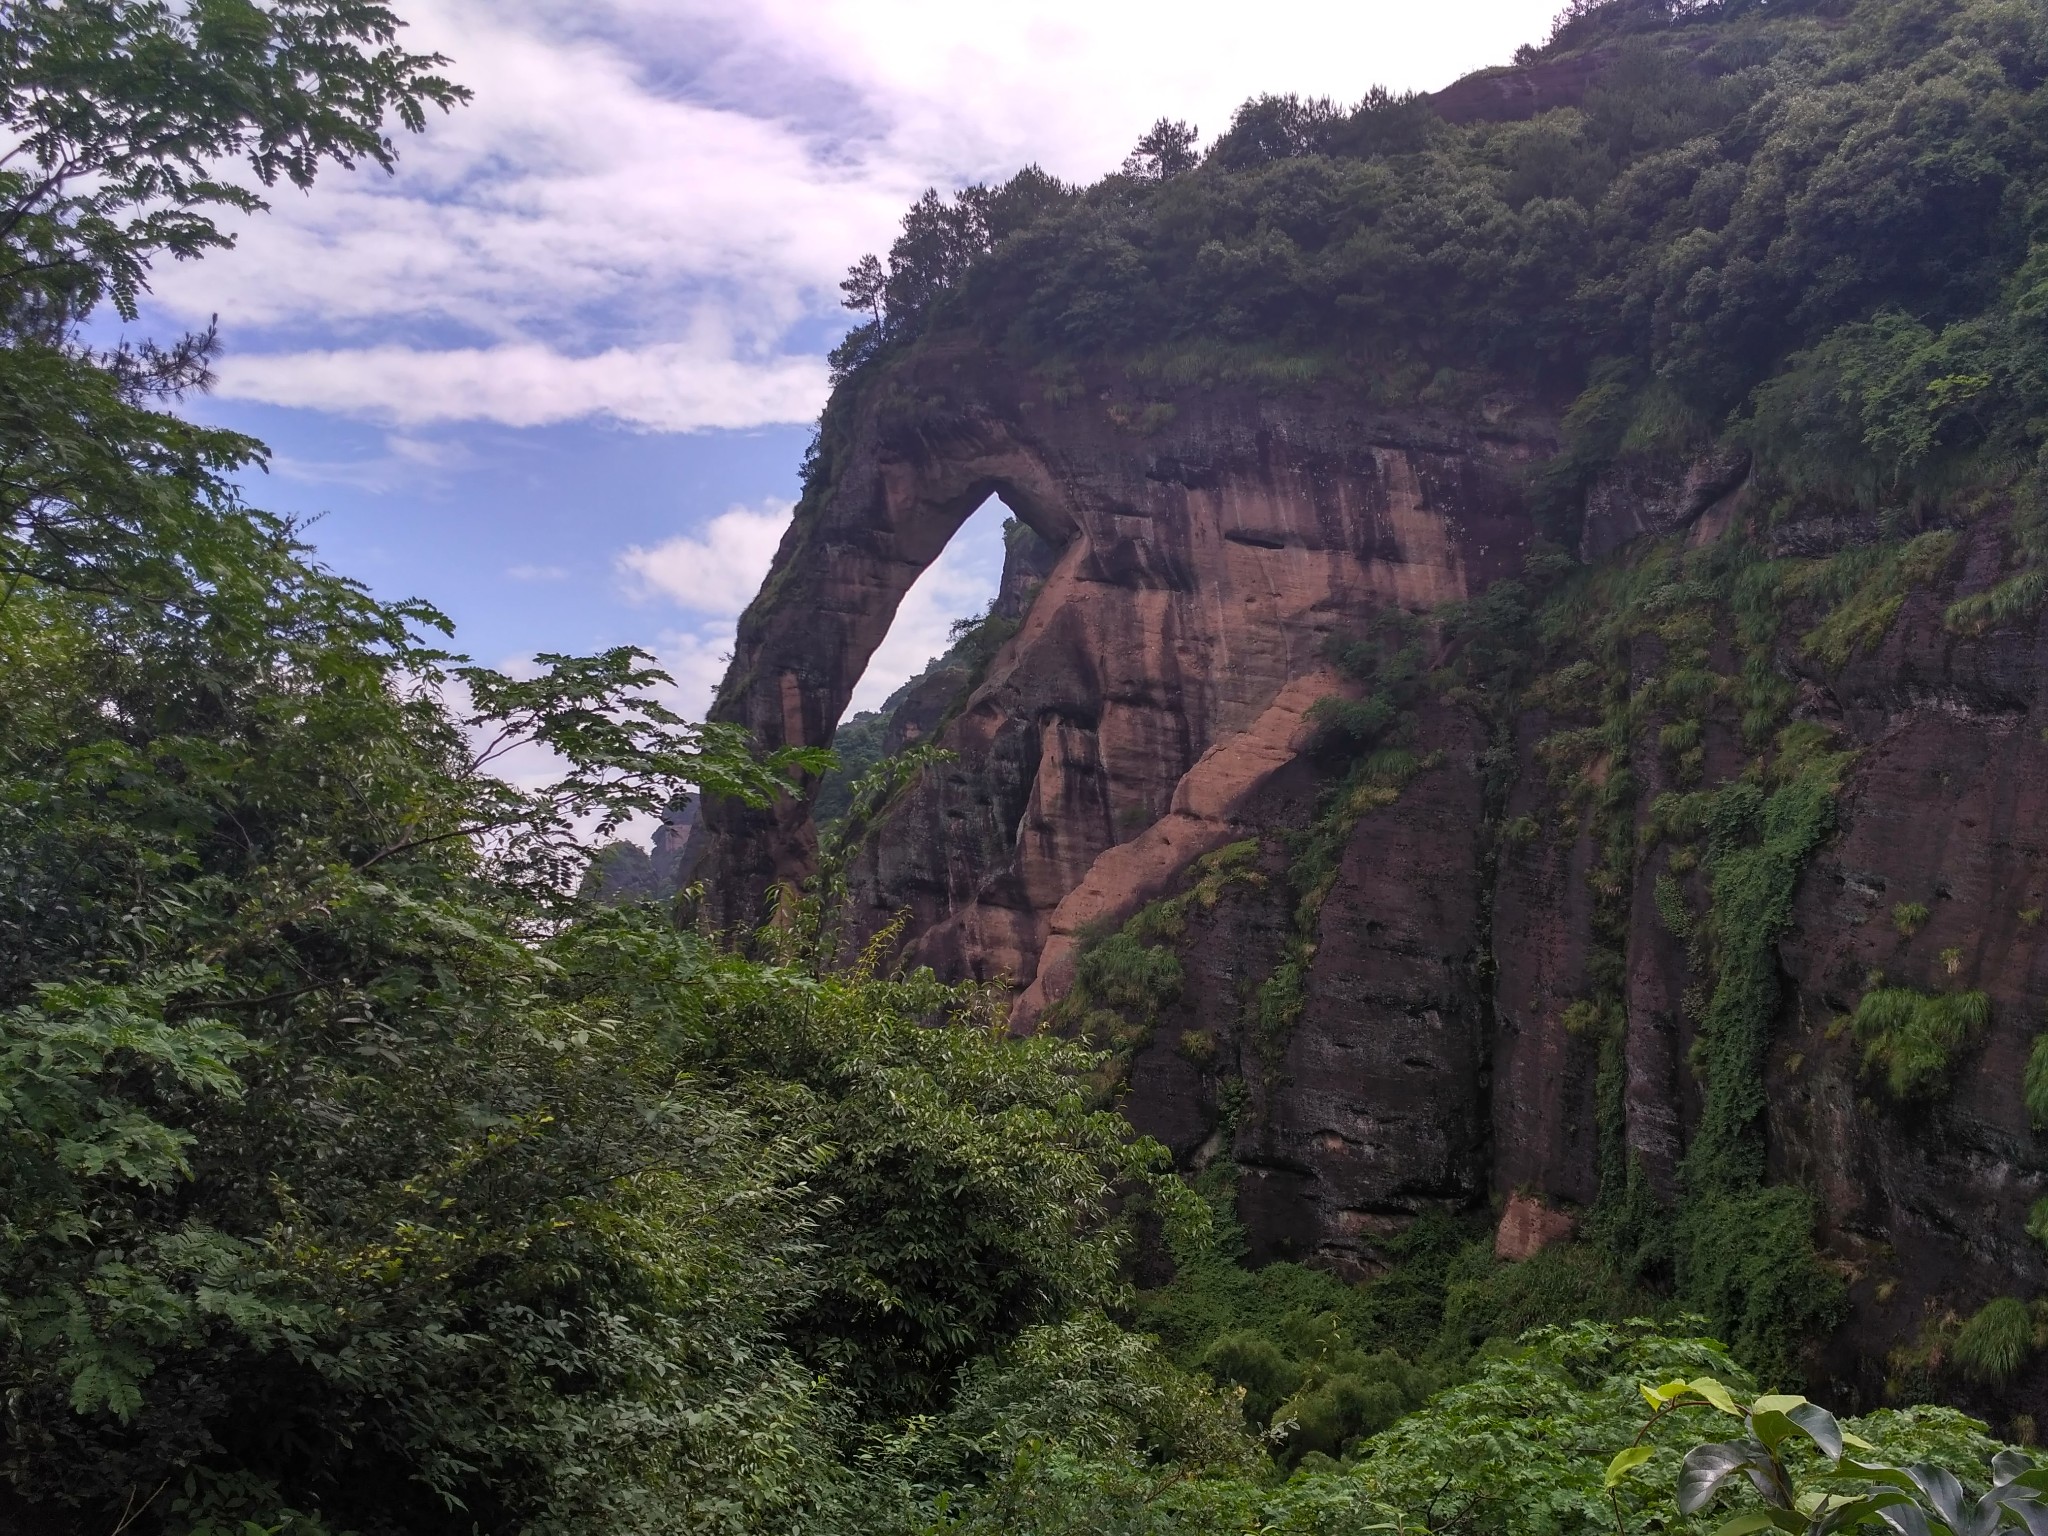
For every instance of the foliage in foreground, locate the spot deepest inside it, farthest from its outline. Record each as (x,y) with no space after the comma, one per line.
(1548,1435)
(1809,1475)
(355,1175)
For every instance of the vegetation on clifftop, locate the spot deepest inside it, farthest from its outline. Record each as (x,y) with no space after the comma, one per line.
(1810,224)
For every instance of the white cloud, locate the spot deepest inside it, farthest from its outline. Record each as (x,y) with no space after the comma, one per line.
(537,572)
(717,571)
(696,659)
(632,166)
(428,453)
(956,585)
(671,387)
(575,184)
(1072,83)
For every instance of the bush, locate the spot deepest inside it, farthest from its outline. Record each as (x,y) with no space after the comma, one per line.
(1913,1038)
(1811,1472)
(1520,1449)
(1255,1364)
(1327,1417)
(1996,1342)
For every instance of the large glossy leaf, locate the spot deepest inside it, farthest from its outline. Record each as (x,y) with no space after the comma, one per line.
(1943,1493)
(1707,1467)
(2029,1513)
(1820,1427)
(1985,1517)
(2008,1465)
(1881,1472)
(1905,1517)
(1748,1523)
(1771,1427)
(1842,1513)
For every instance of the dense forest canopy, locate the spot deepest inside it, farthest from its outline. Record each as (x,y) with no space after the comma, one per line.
(1809,223)
(358,1175)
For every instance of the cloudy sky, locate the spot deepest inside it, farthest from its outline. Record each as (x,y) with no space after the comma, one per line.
(557,374)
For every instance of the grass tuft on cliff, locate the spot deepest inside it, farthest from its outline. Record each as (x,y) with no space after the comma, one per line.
(1912,1039)
(1995,1343)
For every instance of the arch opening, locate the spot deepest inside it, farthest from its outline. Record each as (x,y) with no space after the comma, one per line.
(945,632)
(958,586)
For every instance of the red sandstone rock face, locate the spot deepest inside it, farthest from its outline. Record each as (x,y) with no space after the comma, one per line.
(1527,1227)
(1380,1108)
(1202,566)
(1947,806)
(1151,708)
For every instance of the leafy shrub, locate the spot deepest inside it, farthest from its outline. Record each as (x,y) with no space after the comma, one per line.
(1125,973)
(1814,1475)
(1125,977)
(1520,1449)
(857,746)
(2017,597)
(1865,589)
(975,641)
(1255,1363)
(1913,1038)
(1361,1399)
(1486,1299)
(1087,1386)
(2035,1085)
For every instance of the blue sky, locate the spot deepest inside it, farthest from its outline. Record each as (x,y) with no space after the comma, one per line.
(557,374)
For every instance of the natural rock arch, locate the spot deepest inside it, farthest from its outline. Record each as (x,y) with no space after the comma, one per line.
(1209,541)
(902,491)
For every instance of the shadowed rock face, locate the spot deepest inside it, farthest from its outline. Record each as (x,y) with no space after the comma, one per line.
(1152,707)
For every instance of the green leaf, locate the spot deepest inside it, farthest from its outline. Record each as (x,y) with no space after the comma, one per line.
(1771,1427)
(1715,1393)
(1904,1517)
(1775,1402)
(1626,1461)
(1706,1468)
(1749,1522)
(1880,1472)
(2008,1466)
(1820,1427)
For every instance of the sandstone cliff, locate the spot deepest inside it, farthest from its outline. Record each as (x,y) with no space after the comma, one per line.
(1684,892)
(1151,708)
